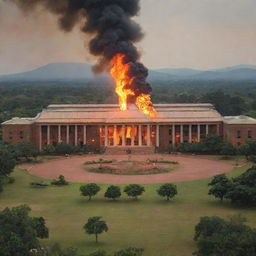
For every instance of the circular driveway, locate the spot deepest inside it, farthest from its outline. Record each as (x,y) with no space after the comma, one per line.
(189,168)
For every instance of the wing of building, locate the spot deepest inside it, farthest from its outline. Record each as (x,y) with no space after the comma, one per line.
(107,126)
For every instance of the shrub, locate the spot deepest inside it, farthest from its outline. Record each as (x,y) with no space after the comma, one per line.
(228,149)
(252,158)
(113,192)
(89,190)
(64,148)
(49,149)
(98,253)
(60,182)
(134,190)
(130,252)
(167,190)
(25,149)
(11,180)
(38,184)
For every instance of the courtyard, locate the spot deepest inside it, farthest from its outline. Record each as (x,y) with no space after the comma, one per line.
(188,168)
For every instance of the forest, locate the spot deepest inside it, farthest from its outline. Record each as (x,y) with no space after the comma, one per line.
(26,99)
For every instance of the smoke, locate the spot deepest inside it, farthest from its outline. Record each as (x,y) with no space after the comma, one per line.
(111,24)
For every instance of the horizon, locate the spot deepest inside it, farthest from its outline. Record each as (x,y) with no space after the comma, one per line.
(156,69)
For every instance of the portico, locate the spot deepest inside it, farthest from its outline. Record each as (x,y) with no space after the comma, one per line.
(120,135)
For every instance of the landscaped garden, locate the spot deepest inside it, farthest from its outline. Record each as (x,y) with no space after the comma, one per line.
(128,167)
(161,227)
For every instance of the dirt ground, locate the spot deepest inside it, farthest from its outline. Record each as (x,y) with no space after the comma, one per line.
(189,168)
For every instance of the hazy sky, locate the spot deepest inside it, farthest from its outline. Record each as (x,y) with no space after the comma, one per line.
(200,34)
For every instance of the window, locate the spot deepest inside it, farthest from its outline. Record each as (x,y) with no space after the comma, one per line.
(238,134)
(170,142)
(249,134)
(170,131)
(21,134)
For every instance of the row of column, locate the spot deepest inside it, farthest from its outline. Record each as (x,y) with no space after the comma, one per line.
(190,132)
(59,134)
(148,135)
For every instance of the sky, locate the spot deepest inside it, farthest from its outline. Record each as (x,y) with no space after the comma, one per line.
(198,34)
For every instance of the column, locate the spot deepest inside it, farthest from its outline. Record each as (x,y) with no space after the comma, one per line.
(133,135)
(48,135)
(181,134)
(85,135)
(59,134)
(115,134)
(173,135)
(157,136)
(140,139)
(123,135)
(106,135)
(198,133)
(76,139)
(40,137)
(207,129)
(148,135)
(67,131)
(218,129)
(190,134)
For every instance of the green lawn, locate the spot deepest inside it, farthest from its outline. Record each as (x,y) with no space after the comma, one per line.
(162,228)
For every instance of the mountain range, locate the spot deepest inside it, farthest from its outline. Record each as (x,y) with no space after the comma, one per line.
(83,72)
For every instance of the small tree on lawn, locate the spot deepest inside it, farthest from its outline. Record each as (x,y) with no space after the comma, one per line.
(167,190)
(134,190)
(95,226)
(89,190)
(113,192)
(220,186)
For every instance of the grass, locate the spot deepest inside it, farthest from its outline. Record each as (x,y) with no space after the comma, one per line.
(162,228)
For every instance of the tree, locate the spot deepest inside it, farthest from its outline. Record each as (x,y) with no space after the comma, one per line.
(19,232)
(130,252)
(243,189)
(7,162)
(95,226)
(134,190)
(215,236)
(167,190)
(220,186)
(89,190)
(113,192)
(25,149)
(248,149)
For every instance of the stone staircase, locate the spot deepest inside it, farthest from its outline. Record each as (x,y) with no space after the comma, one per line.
(134,150)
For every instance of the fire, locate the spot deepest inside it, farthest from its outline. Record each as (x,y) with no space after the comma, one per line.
(120,73)
(144,103)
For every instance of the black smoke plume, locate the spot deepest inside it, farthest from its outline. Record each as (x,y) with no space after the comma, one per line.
(111,24)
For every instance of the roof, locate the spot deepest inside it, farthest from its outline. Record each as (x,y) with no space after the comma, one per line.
(239,120)
(109,114)
(19,121)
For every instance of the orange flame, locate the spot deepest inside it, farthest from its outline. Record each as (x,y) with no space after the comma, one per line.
(120,73)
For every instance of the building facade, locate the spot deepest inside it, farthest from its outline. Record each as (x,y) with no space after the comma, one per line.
(107,126)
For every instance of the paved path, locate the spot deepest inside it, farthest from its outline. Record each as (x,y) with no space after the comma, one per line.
(190,168)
